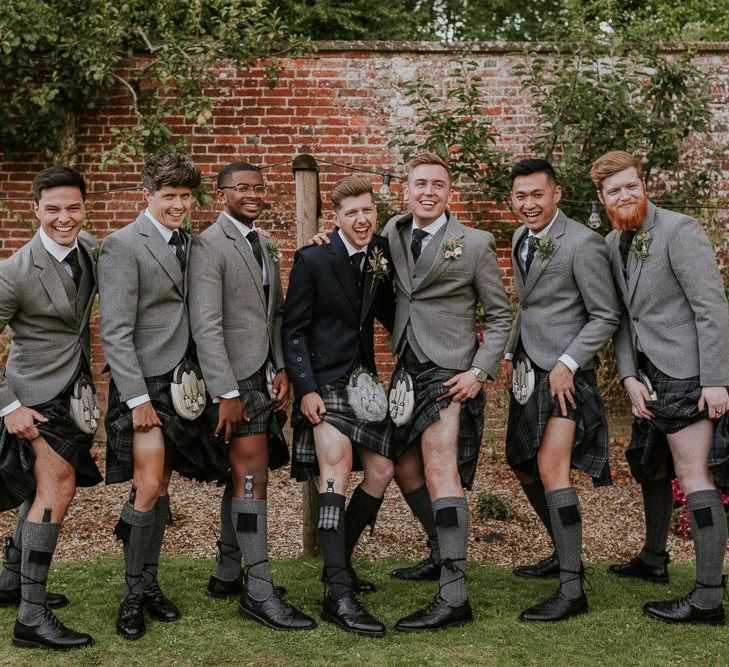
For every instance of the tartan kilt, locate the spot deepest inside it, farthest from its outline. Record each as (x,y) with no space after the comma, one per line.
(527,423)
(375,436)
(17,457)
(428,384)
(193,455)
(675,409)
(263,419)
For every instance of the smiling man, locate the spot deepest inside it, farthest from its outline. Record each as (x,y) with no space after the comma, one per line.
(46,293)
(335,293)
(672,349)
(568,310)
(145,330)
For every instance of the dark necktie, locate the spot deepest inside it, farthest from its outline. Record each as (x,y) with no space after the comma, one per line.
(356,262)
(626,240)
(531,250)
(72,260)
(178,243)
(255,242)
(416,245)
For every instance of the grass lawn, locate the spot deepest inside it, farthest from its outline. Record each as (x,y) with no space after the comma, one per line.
(615,632)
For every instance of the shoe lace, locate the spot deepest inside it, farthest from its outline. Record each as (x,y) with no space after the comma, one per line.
(226,550)
(700,584)
(451,564)
(582,575)
(132,604)
(662,554)
(331,571)
(25,580)
(248,572)
(9,563)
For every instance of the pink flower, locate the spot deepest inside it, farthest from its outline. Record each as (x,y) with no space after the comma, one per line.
(448,254)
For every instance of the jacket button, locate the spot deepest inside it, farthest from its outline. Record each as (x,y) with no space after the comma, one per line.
(302,375)
(298,358)
(295,341)
(525,307)
(635,319)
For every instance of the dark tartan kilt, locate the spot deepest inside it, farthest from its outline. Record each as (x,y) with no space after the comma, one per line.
(17,456)
(375,436)
(193,454)
(528,422)
(428,381)
(263,419)
(676,408)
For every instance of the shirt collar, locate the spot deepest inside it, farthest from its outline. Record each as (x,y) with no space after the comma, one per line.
(543,232)
(434,226)
(351,250)
(56,250)
(165,231)
(240,226)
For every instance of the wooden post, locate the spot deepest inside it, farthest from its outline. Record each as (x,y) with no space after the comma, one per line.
(308,210)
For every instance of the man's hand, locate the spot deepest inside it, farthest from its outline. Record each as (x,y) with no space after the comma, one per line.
(281,390)
(562,386)
(638,395)
(231,414)
(509,373)
(21,422)
(145,417)
(462,387)
(312,407)
(322,238)
(716,400)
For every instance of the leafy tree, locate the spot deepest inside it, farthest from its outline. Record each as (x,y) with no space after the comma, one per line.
(60,59)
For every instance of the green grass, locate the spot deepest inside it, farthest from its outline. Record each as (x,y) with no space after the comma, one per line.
(615,632)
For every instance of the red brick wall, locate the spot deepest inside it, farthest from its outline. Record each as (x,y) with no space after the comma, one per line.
(341,105)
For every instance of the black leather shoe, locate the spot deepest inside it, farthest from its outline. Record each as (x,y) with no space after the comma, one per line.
(130,622)
(361,585)
(274,612)
(637,568)
(682,610)
(219,588)
(426,570)
(555,608)
(435,615)
(11,598)
(51,633)
(545,568)
(350,614)
(159,605)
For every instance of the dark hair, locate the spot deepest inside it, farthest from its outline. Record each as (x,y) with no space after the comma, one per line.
(533,166)
(58,177)
(170,169)
(351,186)
(232,168)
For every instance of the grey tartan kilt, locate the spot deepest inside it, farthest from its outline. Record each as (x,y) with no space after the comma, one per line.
(17,457)
(193,454)
(528,422)
(428,382)
(375,436)
(676,408)
(263,419)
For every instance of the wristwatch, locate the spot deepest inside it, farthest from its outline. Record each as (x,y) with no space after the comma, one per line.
(480,375)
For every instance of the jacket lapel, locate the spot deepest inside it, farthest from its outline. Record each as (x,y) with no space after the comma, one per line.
(400,250)
(343,270)
(615,261)
(160,251)
(244,250)
(51,282)
(92,263)
(519,239)
(540,263)
(434,252)
(271,270)
(635,265)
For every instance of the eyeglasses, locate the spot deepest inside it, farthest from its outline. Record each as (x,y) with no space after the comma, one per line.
(245,189)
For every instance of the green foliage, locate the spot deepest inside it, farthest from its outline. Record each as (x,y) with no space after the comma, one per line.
(60,60)
(491,506)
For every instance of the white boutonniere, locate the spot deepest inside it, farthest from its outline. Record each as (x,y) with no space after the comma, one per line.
(545,247)
(377,266)
(453,249)
(274,252)
(640,245)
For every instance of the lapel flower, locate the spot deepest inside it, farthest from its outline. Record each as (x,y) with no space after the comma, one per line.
(545,247)
(453,249)
(640,245)
(95,253)
(378,267)
(274,252)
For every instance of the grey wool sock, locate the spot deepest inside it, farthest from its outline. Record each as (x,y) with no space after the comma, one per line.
(229,555)
(39,544)
(535,495)
(657,509)
(422,507)
(135,530)
(332,542)
(564,510)
(154,549)
(708,523)
(452,521)
(251,527)
(361,512)
(10,573)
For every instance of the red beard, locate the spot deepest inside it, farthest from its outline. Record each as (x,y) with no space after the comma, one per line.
(628,220)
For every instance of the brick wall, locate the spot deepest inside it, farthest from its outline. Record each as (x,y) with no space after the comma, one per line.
(341,105)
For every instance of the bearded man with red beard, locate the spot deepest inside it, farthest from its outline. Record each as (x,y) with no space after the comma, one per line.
(672,349)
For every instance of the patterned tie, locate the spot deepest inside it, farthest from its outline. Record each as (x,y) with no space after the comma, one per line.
(72,260)
(531,250)
(416,245)
(626,240)
(255,242)
(178,243)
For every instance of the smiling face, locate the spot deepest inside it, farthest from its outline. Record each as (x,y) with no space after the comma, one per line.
(357,218)
(61,212)
(625,199)
(169,205)
(428,193)
(243,206)
(535,198)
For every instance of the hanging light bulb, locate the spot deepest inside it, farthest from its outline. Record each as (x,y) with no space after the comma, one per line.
(594,222)
(385,189)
